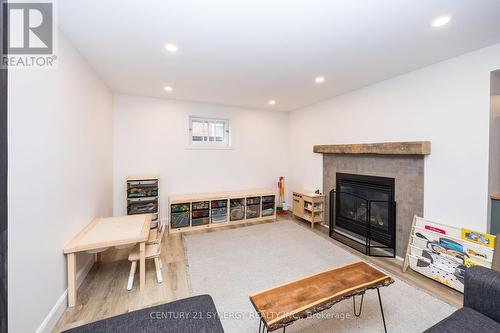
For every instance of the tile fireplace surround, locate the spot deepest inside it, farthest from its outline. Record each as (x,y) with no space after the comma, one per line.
(403,161)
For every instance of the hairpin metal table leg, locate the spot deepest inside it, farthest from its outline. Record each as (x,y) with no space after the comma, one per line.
(354,305)
(381,309)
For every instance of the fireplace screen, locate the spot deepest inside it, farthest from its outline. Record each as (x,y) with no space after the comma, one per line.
(354,207)
(364,208)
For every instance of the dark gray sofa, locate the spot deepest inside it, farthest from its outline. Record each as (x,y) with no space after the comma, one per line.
(481,311)
(191,315)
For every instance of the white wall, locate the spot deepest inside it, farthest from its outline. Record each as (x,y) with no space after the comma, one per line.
(151,136)
(447,103)
(60,177)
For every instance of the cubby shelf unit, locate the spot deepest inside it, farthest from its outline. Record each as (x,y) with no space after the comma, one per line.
(209,210)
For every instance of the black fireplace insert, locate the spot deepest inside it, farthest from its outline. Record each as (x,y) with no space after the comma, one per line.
(363,213)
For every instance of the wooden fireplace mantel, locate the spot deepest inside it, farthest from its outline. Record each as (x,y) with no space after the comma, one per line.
(385,148)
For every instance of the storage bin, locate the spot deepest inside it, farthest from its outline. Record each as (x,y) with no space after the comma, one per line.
(268,212)
(136,200)
(268,209)
(142,191)
(180,220)
(218,203)
(199,221)
(180,207)
(253,201)
(142,207)
(219,211)
(219,215)
(237,203)
(219,219)
(200,205)
(200,213)
(237,213)
(268,199)
(253,211)
(268,205)
(138,183)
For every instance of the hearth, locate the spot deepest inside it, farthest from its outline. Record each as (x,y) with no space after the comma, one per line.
(363,213)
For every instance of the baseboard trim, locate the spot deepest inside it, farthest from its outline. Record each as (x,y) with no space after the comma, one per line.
(58,309)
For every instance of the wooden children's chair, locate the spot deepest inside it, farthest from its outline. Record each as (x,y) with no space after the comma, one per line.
(153,251)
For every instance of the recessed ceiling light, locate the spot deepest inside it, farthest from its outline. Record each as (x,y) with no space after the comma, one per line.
(272,102)
(440,21)
(171,48)
(319,79)
(168,89)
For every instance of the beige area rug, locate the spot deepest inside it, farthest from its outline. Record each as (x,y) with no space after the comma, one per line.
(232,264)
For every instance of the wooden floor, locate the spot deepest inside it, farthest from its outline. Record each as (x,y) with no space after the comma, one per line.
(103,293)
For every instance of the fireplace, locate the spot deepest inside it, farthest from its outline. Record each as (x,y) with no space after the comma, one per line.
(364,210)
(403,161)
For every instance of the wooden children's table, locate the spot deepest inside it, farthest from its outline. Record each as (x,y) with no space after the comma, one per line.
(103,233)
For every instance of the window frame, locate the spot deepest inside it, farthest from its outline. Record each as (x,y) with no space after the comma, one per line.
(225,144)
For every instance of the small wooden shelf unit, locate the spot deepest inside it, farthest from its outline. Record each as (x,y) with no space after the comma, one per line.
(143,192)
(209,210)
(308,206)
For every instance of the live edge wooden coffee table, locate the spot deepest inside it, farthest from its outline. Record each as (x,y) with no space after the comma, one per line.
(280,306)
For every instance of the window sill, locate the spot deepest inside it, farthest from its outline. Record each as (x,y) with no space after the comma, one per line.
(209,148)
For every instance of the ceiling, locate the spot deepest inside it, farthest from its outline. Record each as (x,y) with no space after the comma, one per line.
(246,53)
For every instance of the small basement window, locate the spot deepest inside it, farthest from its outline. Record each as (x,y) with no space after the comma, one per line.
(209,133)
